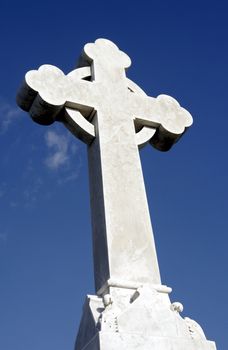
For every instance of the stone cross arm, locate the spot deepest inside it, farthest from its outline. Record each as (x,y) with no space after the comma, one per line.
(49,95)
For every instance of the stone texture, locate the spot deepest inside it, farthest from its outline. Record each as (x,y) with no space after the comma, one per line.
(137,319)
(106,112)
(109,341)
(114,117)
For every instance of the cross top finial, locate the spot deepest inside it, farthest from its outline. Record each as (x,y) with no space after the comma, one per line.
(106,50)
(107,61)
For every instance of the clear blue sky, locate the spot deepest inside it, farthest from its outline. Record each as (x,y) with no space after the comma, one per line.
(178,48)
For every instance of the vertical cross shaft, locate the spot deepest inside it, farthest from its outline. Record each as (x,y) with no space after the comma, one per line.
(123,242)
(122,235)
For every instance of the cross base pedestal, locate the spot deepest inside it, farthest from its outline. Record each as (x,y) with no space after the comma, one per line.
(134,319)
(124,341)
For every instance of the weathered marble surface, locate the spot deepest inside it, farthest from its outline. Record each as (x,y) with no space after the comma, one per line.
(138,319)
(127,341)
(114,117)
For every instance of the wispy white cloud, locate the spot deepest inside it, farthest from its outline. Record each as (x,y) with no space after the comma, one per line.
(58,145)
(62,155)
(71,177)
(35,183)
(8,114)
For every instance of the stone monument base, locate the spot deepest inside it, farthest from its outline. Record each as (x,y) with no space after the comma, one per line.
(141,318)
(120,341)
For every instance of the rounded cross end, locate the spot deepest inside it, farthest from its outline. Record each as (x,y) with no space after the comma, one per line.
(105,50)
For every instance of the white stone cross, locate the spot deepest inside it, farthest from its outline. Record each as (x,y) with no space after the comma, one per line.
(114,117)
